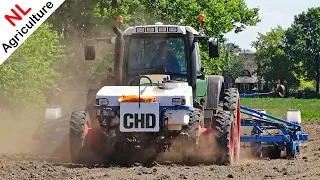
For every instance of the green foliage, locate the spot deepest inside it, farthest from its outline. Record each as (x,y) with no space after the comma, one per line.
(272,61)
(40,62)
(233,64)
(79,19)
(304,85)
(30,70)
(211,66)
(221,17)
(302,44)
(99,16)
(278,107)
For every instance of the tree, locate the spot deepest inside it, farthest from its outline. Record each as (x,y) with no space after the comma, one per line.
(272,62)
(221,17)
(97,17)
(31,69)
(233,64)
(302,44)
(79,19)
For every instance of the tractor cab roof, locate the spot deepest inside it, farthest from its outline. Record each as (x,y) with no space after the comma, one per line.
(159,28)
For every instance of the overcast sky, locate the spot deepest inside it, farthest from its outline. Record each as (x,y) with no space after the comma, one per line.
(272,13)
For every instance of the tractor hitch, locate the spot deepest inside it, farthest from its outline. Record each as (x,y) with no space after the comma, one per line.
(105,117)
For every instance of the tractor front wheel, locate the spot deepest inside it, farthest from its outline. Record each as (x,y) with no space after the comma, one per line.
(80,145)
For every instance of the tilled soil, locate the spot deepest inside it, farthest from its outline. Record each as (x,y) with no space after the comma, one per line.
(306,166)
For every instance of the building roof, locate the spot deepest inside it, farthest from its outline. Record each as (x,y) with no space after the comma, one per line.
(246,79)
(249,62)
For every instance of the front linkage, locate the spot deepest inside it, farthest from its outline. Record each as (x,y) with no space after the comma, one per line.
(114,146)
(106,116)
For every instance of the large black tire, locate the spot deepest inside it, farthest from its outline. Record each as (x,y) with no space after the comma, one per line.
(78,148)
(224,137)
(193,142)
(231,102)
(230,99)
(196,117)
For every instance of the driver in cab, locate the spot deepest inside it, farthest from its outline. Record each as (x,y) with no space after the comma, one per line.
(165,59)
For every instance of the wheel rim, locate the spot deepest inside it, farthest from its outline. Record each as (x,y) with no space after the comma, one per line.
(86,128)
(231,142)
(238,126)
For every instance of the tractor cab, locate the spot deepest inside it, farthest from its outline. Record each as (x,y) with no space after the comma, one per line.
(158,50)
(156,53)
(164,49)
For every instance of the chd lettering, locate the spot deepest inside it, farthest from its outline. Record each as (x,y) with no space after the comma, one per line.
(141,120)
(33,19)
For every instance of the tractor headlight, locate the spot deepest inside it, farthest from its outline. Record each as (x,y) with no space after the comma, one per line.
(178,101)
(103,101)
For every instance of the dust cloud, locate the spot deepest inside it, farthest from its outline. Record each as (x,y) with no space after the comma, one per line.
(16,132)
(18,126)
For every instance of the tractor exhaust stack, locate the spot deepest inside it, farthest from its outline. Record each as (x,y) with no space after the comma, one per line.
(118,56)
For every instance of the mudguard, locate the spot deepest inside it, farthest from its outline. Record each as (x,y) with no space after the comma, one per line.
(215,84)
(90,102)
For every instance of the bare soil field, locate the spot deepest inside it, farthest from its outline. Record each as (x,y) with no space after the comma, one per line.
(19,163)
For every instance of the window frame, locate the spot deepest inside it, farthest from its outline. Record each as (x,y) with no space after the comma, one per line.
(164,37)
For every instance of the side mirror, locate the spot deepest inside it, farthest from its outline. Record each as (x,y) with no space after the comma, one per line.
(89,52)
(214,51)
(202,74)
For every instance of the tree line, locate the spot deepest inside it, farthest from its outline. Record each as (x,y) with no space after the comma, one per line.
(53,54)
(291,56)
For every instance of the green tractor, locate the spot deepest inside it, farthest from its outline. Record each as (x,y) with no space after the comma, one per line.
(160,101)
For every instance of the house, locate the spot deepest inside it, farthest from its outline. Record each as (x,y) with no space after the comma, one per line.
(247,81)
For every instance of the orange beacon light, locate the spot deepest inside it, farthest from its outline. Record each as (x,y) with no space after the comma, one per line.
(201,18)
(119,19)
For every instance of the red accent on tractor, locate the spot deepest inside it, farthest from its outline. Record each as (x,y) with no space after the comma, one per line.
(238,126)
(92,138)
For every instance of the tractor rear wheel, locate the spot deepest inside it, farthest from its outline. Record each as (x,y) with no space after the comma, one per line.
(79,148)
(231,102)
(225,127)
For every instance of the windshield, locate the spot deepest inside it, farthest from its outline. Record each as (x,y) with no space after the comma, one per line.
(157,55)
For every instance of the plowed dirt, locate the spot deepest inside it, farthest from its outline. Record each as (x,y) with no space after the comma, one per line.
(306,166)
